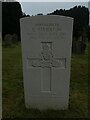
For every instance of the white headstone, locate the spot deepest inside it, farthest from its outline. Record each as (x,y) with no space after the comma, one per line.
(46,51)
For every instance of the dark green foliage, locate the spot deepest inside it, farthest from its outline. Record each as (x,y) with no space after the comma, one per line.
(24,15)
(40,14)
(11,13)
(81,23)
(80,15)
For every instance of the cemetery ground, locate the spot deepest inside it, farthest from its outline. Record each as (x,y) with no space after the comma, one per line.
(13,91)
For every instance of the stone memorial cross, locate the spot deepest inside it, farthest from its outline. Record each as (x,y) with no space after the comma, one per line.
(46,62)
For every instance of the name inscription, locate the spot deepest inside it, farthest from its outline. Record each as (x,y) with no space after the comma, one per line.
(46,31)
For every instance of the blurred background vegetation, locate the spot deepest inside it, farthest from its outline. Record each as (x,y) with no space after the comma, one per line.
(12,12)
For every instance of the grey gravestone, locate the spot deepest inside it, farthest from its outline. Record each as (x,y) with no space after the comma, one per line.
(8,40)
(78,46)
(46,51)
(14,38)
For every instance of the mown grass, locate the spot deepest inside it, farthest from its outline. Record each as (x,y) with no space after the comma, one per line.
(13,92)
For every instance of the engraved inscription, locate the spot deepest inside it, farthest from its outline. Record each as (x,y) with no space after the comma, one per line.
(46,62)
(36,62)
(47,58)
(46,31)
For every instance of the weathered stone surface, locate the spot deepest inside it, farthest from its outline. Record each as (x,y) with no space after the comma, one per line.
(46,52)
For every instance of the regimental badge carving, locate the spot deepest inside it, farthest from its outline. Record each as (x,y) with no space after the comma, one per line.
(46,52)
(46,58)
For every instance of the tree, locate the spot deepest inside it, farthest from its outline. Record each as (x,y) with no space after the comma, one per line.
(39,14)
(80,15)
(11,13)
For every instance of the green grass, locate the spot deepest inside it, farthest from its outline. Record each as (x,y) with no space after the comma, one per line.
(13,92)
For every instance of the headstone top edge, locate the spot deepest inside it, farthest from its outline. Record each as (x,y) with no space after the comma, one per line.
(49,16)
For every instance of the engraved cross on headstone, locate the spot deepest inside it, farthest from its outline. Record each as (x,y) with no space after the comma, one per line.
(46,61)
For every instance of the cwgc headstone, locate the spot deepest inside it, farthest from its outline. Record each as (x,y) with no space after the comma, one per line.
(46,51)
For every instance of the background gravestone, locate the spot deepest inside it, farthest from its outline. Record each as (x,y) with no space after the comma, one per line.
(14,38)
(46,52)
(78,46)
(8,40)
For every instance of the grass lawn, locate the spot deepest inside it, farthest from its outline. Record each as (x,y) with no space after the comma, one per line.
(13,92)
